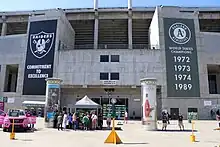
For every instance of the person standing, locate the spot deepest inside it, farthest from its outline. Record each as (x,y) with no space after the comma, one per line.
(74,121)
(85,122)
(59,122)
(78,121)
(126,117)
(94,121)
(218,118)
(133,115)
(89,115)
(56,114)
(70,121)
(164,121)
(65,120)
(100,120)
(108,121)
(180,122)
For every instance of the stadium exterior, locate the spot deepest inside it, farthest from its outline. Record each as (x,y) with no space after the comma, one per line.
(104,52)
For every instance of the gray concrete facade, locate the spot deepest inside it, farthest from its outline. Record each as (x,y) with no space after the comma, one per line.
(80,69)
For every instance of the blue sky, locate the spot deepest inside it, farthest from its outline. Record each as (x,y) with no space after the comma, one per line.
(13,5)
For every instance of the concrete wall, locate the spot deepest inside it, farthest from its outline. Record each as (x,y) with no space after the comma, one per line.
(80,67)
(12,51)
(65,39)
(209,54)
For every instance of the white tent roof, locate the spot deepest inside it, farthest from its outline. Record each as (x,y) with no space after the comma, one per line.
(86,102)
(34,103)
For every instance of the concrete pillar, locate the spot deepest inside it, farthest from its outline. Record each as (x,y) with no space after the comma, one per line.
(130,30)
(95,4)
(149,103)
(129,4)
(52,100)
(96,31)
(4,26)
(2,78)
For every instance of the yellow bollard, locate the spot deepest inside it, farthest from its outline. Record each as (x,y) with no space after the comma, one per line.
(193,137)
(12,134)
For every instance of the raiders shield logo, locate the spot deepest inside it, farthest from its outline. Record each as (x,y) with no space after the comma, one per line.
(41,44)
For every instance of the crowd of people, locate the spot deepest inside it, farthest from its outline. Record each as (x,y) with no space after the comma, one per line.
(82,121)
(90,121)
(166,120)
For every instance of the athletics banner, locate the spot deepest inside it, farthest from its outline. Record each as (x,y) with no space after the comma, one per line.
(181,58)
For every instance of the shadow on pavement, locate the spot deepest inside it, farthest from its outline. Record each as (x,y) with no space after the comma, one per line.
(134,143)
(26,139)
(177,130)
(103,129)
(22,139)
(19,132)
(38,129)
(28,131)
(211,141)
(109,129)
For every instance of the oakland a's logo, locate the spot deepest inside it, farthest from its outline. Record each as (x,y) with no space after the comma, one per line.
(41,44)
(179,33)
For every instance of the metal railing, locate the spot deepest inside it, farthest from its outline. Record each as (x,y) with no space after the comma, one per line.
(85,46)
(113,46)
(144,46)
(108,46)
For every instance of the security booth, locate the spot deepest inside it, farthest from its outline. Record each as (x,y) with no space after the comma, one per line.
(35,106)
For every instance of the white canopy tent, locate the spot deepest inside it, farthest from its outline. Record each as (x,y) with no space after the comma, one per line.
(86,102)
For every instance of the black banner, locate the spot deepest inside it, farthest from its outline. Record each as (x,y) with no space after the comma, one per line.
(39,57)
(181,58)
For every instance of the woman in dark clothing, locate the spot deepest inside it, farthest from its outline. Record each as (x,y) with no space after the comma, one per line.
(59,121)
(78,121)
(90,121)
(70,120)
(218,118)
(100,121)
(55,119)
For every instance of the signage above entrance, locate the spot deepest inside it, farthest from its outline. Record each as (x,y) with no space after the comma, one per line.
(109,82)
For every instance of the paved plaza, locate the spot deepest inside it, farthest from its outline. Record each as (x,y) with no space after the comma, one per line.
(132,134)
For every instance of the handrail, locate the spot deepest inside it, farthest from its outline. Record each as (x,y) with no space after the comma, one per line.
(109,46)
